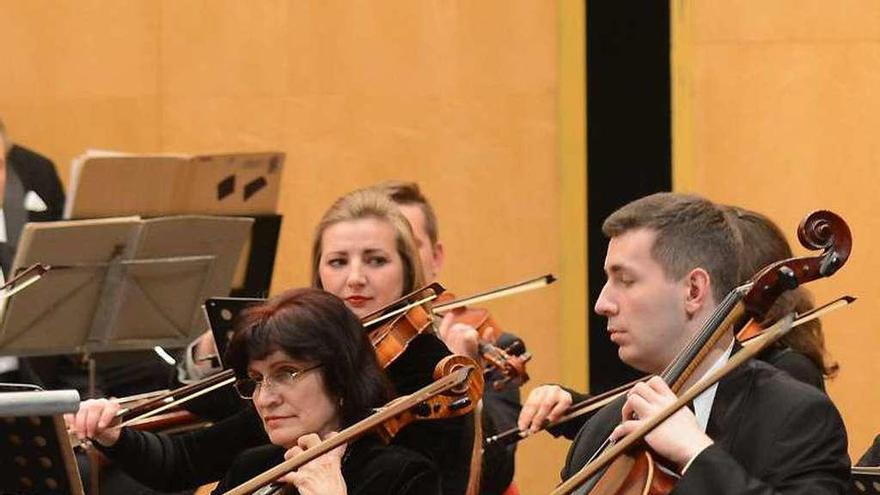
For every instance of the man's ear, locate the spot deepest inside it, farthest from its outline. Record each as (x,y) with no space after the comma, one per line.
(699,291)
(439,257)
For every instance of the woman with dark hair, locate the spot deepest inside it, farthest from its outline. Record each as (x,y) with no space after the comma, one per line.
(364,254)
(305,362)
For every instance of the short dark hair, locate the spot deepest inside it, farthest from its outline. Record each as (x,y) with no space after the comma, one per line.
(314,326)
(408,193)
(692,232)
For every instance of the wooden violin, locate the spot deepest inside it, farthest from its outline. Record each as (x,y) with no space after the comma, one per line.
(455,392)
(502,366)
(634,470)
(393,327)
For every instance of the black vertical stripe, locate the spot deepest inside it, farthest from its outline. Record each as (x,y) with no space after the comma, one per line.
(628,138)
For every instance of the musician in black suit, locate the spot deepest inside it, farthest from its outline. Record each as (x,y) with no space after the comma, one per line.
(759,430)
(32,192)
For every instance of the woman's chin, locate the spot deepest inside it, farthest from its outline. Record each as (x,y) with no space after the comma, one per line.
(284,438)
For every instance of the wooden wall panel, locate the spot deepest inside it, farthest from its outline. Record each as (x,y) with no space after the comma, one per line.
(461,96)
(776,107)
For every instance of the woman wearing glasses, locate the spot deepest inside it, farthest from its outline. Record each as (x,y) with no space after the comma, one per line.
(305,362)
(363,253)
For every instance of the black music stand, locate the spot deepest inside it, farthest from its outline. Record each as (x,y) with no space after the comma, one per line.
(37,454)
(866,479)
(222,314)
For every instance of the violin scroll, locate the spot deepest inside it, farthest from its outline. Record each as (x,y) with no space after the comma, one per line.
(826,230)
(456,401)
(819,230)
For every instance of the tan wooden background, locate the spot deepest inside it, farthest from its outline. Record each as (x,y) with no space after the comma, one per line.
(777,107)
(464,97)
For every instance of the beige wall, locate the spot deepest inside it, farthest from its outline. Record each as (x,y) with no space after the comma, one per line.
(460,96)
(776,108)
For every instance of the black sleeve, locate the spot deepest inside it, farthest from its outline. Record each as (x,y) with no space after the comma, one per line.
(176,462)
(498,460)
(500,413)
(808,456)
(591,436)
(38,174)
(408,476)
(570,428)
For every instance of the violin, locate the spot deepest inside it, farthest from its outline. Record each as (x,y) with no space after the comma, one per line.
(455,392)
(503,366)
(627,470)
(406,318)
(392,328)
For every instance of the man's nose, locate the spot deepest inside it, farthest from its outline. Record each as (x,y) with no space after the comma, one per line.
(604,305)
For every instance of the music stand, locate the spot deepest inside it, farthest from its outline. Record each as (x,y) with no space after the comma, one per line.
(866,479)
(120,283)
(37,454)
(222,314)
(154,185)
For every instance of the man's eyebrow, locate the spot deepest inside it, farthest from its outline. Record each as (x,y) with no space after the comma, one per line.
(616,268)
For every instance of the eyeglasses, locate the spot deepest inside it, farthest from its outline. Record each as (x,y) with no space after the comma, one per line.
(248,387)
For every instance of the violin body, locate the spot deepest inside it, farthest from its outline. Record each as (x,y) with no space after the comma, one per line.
(410,319)
(452,403)
(392,338)
(636,473)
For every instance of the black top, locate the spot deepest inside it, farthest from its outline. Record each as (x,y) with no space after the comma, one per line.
(368,467)
(798,365)
(174,462)
(772,435)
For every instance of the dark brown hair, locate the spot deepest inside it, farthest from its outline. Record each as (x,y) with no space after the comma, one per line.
(763,244)
(314,326)
(692,232)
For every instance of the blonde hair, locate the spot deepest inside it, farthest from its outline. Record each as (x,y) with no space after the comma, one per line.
(366,203)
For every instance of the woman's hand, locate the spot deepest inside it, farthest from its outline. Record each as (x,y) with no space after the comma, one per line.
(320,476)
(96,420)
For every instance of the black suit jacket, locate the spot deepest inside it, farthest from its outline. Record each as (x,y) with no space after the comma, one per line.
(28,171)
(38,174)
(772,433)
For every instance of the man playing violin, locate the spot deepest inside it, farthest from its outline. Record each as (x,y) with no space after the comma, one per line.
(758,431)
(501,406)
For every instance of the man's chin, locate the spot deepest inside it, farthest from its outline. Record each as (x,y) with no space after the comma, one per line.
(632,361)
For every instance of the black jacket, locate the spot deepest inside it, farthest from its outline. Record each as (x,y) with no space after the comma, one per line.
(773,435)
(368,467)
